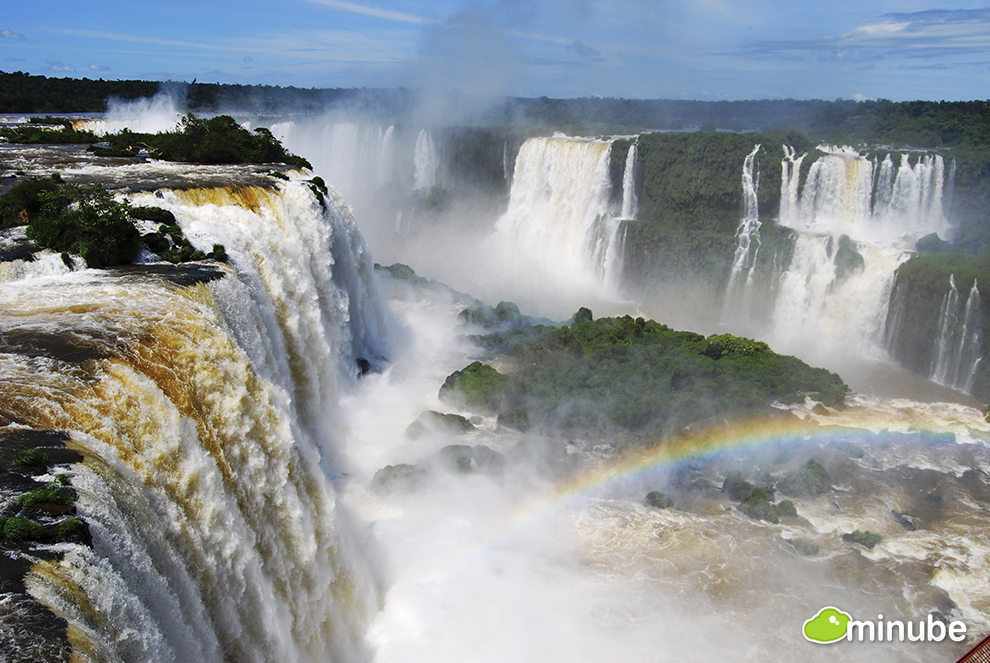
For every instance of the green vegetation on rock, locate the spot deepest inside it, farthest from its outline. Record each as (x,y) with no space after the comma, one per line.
(804,548)
(88,221)
(53,493)
(214,140)
(31,458)
(658,500)
(867,539)
(476,388)
(516,418)
(21,529)
(432,421)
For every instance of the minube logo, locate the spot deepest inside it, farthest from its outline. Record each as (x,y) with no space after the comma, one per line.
(831,625)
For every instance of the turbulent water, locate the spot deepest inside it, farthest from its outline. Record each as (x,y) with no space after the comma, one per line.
(206,414)
(230,447)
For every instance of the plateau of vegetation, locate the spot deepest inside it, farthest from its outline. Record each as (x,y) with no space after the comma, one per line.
(214,140)
(635,379)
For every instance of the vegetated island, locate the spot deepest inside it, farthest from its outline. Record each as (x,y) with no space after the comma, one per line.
(629,380)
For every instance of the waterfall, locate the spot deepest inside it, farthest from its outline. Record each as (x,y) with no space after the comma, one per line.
(855,223)
(558,220)
(738,292)
(426,161)
(206,416)
(630,205)
(958,347)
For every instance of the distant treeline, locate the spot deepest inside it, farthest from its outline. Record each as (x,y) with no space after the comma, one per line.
(926,124)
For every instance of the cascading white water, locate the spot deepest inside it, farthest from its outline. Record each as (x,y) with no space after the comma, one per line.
(425,160)
(836,289)
(558,223)
(739,290)
(958,347)
(630,204)
(207,418)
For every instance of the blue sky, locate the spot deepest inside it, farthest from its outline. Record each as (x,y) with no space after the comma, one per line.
(676,49)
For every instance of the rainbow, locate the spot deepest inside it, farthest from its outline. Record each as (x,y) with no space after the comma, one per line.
(638,465)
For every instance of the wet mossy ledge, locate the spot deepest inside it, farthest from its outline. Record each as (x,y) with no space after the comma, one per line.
(38,510)
(628,379)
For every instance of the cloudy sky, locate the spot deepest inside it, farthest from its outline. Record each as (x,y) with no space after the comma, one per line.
(676,49)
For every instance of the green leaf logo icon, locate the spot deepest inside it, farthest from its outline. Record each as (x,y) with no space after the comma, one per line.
(829,625)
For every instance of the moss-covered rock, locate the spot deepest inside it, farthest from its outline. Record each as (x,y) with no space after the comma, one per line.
(401,478)
(456,457)
(52,494)
(463,459)
(847,259)
(756,505)
(21,529)
(803,548)
(515,418)
(476,388)
(432,421)
(867,539)
(658,500)
(31,458)
(735,486)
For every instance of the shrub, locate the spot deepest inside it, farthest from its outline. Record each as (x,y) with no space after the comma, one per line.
(735,486)
(756,505)
(866,539)
(23,201)
(86,220)
(786,508)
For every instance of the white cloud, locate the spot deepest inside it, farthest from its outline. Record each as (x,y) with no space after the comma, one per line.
(58,65)
(7,34)
(376,12)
